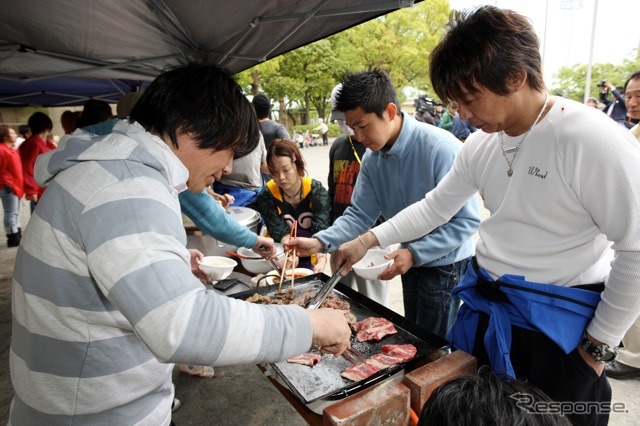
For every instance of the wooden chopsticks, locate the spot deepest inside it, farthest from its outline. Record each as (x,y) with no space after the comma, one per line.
(292,234)
(295,234)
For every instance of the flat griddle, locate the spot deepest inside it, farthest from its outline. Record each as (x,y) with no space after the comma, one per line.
(323,380)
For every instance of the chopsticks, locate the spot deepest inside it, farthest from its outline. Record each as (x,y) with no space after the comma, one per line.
(295,234)
(292,234)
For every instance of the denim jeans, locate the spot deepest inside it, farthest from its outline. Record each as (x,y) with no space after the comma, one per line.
(11,206)
(427,296)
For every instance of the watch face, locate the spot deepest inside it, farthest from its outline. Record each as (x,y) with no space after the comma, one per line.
(609,355)
(603,353)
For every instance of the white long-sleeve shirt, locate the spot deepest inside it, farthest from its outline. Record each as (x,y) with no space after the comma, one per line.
(574,191)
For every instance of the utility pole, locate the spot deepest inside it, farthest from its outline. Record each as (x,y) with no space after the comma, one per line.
(587,87)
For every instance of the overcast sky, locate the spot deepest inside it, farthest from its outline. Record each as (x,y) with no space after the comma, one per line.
(568,29)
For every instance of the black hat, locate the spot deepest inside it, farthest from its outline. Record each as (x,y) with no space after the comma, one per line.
(262,105)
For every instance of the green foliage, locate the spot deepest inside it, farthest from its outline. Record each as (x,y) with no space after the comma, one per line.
(301,81)
(400,42)
(570,81)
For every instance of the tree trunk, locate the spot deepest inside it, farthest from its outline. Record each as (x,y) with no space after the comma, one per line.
(255,83)
(283,116)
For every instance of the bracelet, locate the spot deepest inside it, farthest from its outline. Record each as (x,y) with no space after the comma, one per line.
(363,243)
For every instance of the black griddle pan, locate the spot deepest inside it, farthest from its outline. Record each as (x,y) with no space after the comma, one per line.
(323,380)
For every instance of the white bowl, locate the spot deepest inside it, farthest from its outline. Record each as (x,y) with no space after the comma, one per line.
(272,277)
(257,264)
(217,267)
(372,264)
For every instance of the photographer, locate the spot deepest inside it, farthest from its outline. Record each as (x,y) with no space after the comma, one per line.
(614,108)
(424,110)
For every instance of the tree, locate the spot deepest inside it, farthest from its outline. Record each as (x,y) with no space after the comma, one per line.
(570,81)
(400,42)
(313,66)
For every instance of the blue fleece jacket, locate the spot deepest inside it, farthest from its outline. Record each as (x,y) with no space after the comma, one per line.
(394,178)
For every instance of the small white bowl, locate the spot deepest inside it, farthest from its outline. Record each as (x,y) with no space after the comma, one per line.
(372,264)
(257,264)
(217,267)
(272,277)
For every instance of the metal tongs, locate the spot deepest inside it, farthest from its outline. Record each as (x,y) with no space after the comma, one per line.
(273,262)
(351,354)
(325,290)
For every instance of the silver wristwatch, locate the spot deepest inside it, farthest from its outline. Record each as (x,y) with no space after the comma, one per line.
(602,352)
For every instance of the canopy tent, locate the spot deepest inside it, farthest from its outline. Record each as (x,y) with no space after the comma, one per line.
(63,52)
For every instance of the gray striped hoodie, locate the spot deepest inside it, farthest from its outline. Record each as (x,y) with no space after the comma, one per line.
(104,301)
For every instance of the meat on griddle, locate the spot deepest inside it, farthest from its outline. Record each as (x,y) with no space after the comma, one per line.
(359,372)
(334,302)
(392,355)
(287,297)
(374,328)
(260,299)
(306,359)
(406,352)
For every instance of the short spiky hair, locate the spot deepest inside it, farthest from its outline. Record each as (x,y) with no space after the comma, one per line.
(369,90)
(487,47)
(201,99)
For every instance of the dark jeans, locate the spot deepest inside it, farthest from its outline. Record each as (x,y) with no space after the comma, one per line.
(427,297)
(565,378)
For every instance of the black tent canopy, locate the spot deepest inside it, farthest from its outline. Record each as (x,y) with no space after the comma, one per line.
(63,52)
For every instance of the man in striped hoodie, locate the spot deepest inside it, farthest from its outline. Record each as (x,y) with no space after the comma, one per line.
(104,299)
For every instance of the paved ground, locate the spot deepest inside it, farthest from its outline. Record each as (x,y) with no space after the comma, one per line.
(241,394)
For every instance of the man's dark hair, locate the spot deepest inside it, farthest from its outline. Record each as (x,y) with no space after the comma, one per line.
(40,122)
(486,399)
(370,90)
(202,100)
(634,76)
(25,130)
(262,105)
(94,111)
(487,47)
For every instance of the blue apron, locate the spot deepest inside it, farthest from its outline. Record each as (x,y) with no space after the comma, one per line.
(561,313)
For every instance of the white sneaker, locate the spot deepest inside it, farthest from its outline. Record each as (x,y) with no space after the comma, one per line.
(176,404)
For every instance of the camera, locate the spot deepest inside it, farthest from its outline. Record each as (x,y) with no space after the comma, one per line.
(423,104)
(602,83)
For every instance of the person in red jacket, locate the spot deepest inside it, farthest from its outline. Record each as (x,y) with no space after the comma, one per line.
(10,184)
(37,144)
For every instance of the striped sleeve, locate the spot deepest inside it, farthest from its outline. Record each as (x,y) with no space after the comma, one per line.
(140,264)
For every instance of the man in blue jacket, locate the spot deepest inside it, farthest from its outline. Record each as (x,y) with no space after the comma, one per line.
(405,160)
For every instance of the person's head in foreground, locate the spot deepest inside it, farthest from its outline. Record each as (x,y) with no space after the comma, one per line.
(485,399)
(203,131)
